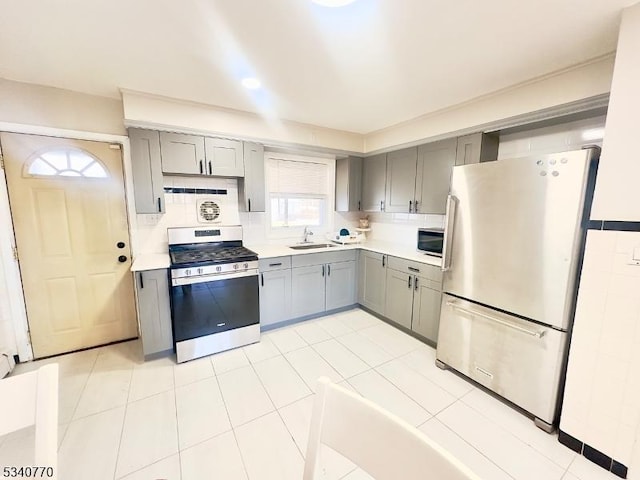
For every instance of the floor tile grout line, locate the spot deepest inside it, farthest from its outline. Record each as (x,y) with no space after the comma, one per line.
(277,410)
(414,399)
(505,431)
(175,402)
(233,428)
(294,371)
(469,444)
(525,441)
(124,419)
(95,360)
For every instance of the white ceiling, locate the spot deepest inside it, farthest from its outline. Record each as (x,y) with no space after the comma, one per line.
(359,68)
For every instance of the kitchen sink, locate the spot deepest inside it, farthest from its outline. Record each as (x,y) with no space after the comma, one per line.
(309,246)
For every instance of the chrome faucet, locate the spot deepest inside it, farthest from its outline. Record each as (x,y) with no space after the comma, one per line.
(306,234)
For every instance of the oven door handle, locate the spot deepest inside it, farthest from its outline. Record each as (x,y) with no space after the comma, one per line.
(176,282)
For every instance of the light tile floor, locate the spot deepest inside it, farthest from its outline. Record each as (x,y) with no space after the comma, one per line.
(244,414)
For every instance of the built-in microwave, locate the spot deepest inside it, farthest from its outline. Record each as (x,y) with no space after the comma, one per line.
(430,241)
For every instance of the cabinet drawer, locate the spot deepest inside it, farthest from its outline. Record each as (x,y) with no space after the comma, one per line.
(431,272)
(324,257)
(275,263)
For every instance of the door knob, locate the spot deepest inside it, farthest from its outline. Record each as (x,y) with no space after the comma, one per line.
(122,258)
(120,245)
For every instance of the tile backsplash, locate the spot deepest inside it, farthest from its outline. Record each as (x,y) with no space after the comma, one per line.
(181,210)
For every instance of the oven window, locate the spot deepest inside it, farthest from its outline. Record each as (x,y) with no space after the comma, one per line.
(202,309)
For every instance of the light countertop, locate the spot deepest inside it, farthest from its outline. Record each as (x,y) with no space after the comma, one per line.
(156,261)
(150,261)
(386,248)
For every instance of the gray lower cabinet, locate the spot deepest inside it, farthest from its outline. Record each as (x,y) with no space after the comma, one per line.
(308,290)
(146,165)
(348,184)
(251,188)
(426,308)
(154,311)
(374,173)
(224,157)
(433,176)
(372,280)
(340,285)
(182,154)
(399,297)
(401,180)
(275,296)
(413,295)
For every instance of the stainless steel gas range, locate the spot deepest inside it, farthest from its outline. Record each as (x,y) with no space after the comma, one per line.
(214,291)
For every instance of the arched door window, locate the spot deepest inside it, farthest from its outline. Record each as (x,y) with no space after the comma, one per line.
(65,162)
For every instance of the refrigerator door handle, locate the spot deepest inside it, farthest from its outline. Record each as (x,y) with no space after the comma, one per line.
(539,334)
(448,225)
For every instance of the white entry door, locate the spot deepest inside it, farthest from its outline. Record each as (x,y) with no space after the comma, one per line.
(69,215)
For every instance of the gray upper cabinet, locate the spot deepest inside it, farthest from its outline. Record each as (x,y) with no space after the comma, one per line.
(340,285)
(148,187)
(307,290)
(372,280)
(374,172)
(401,179)
(251,189)
(154,312)
(433,176)
(182,154)
(348,184)
(478,147)
(224,157)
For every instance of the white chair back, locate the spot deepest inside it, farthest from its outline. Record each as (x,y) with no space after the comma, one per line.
(32,399)
(383,445)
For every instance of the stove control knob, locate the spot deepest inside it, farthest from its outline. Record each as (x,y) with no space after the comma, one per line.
(187,272)
(246,265)
(218,269)
(235,266)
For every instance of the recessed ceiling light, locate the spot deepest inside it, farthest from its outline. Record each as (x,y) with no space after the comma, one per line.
(251,83)
(333,3)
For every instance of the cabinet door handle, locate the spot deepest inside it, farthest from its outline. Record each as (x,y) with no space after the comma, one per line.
(262,279)
(383,260)
(409,282)
(210,168)
(275,264)
(382,205)
(159,205)
(141,281)
(413,269)
(415,284)
(415,206)
(359,205)
(328,270)
(249,202)
(201,167)
(323,270)
(410,206)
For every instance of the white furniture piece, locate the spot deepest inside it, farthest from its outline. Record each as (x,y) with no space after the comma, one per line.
(380,443)
(32,399)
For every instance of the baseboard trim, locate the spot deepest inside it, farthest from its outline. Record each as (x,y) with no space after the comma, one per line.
(601,459)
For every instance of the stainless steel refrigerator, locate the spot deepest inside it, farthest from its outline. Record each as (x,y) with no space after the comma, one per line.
(513,248)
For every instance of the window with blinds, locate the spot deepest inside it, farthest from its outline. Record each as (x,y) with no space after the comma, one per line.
(297,192)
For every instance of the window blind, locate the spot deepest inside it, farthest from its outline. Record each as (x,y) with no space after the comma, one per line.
(296,177)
